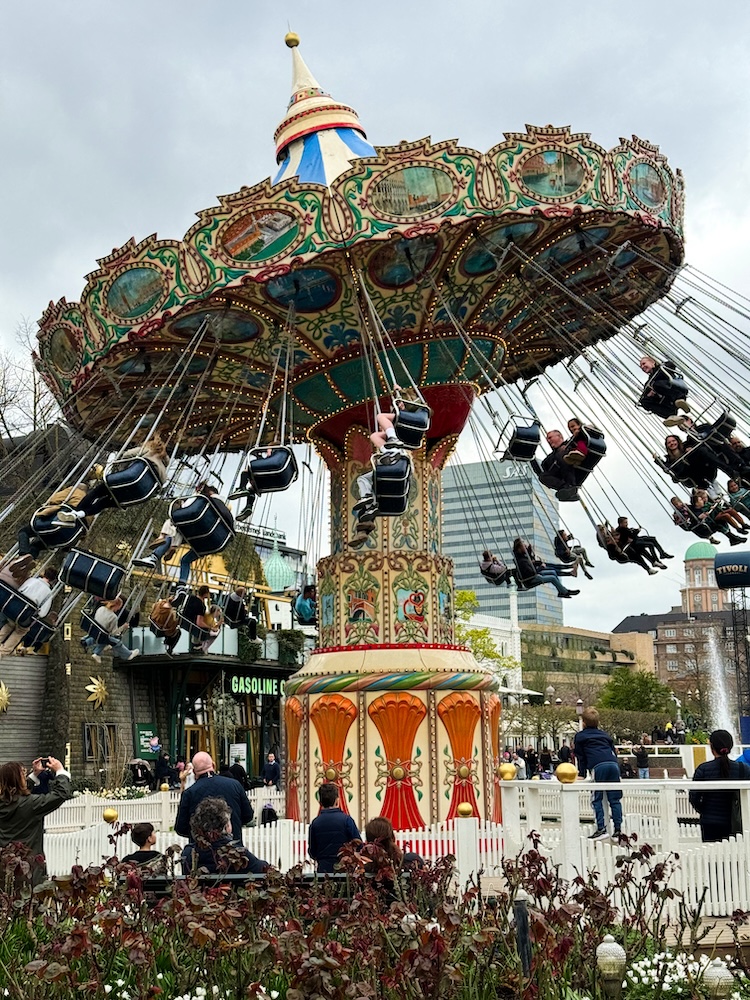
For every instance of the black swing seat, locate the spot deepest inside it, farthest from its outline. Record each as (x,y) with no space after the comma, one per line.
(723,427)
(196,633)
(390,485)
(206,525)
(495,578)
(412,423)
(672,388)
(93,574)
(131,480)
(16,606)
(272,470)
(523,440)
(55,534)
(597,450)
(39,633)
(237,616)
(91,627)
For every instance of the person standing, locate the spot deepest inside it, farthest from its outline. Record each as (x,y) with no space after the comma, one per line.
(271,774)
(642,761)
(211,844)
(595,752)
(238,772)
(208,783)
(715,809)
(330,830)
(22,814)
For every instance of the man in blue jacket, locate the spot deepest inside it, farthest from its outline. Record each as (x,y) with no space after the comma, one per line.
(207,784)
(330,830)
(595,752)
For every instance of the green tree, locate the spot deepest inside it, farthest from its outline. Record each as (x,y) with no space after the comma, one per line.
(479,640)
(635,690)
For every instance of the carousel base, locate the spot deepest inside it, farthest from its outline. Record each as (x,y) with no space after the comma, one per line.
(406,732)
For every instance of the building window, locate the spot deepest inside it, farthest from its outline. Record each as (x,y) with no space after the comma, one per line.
(698,577)
(715,599)
(711,578)
(100,740)
(671,647)
(673,665)
(689,647)
(697,599)
(670,633)
(688,632)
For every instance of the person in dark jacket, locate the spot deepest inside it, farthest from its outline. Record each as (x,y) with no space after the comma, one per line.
(715,808)
(238,772)
(330,830)
(271,773)
(211,845)
(595,752)
(531,572)
(144,837)
(207,783)
(22,814)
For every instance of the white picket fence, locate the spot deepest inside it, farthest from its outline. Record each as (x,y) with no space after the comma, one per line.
(560,814)
(159,808)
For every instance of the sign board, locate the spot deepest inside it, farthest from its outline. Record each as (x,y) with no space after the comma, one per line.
(247,684)
(238,750)
(145,732)
(732,569)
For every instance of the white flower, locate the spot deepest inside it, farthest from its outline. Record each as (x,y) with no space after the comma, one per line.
(274,994)
(107,988)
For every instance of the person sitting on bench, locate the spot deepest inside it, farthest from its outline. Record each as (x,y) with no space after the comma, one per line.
(162,547)
(493,569)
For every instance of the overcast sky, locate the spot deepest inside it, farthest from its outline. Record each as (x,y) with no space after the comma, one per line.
(123,120)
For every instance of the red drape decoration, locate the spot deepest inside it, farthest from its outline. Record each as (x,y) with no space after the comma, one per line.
(293,716)
(332,715)
(460,713)
(397,717)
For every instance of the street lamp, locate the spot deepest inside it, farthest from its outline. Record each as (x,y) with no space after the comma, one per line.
(611,961)
(579,712)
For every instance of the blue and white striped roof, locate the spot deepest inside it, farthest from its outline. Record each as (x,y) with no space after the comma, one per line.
(322,156)
(318,138)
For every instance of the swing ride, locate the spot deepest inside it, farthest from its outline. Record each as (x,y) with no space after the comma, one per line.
(423,280)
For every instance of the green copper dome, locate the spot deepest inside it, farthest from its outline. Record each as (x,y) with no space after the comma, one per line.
(700,550)
(279,573)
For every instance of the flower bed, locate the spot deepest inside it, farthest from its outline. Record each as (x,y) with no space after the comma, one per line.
(99,933)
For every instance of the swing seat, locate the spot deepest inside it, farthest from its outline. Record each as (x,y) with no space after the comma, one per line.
(131,481)
(495,578)
(202,523)
(597,450)
(196,633)
(55,534)
(93,574)
(522,442)
(16,606)
(237,616)
(91,627)
(39,633)
(412,423)
(272,473)
(723,427)
(390,485)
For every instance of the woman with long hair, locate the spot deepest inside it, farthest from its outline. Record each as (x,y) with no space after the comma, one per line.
(22,814)
(715,808)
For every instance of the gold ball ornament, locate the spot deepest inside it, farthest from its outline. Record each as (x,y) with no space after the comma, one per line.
(566,773)
(398,773)
(291,39)
(464,771)
(164,786)
(331,774)
(110,815)
(507,771)
(535,777)
(464,809)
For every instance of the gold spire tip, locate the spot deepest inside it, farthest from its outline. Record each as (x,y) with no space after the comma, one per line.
(291,39)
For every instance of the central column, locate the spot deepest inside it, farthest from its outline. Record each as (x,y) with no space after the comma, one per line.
(388,708)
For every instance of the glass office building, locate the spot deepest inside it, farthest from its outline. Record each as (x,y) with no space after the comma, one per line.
(487,505)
